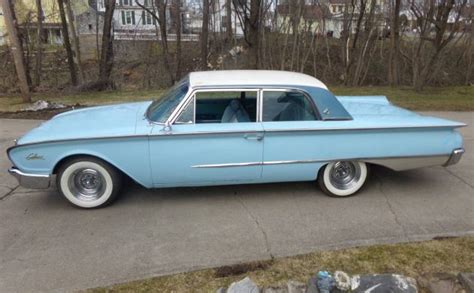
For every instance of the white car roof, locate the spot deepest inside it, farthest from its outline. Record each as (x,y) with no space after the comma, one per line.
(252,77)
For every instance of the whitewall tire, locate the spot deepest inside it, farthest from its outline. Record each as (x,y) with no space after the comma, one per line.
(87,182)
(342,178)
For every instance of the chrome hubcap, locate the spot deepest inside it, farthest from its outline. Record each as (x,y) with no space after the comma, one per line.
(344,175)
(87,184)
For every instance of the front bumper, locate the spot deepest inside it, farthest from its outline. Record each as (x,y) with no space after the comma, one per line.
(34,181)
(454,157)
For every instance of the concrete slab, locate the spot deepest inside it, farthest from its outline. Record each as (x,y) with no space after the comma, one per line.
(47,245)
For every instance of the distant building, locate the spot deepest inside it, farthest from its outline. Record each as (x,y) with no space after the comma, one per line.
(132,22)
(3,29)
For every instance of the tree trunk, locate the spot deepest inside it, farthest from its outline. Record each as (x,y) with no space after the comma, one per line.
(253,31)
(177,4)
(393,65)
(161,6)
(228,23)
(16,48)
(39,43)
(107,51)
(204,33)
(67,43)
(75,40)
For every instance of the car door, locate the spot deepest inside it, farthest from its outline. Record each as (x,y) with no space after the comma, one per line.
(208,144)
(290,154)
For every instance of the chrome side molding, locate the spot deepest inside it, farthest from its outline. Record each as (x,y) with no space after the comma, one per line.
(34,181)
(454,157)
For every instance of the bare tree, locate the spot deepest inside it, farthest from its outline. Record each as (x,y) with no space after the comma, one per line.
(228,21)
(204,34)
(433,18)
(67,43)
(253,24)
(177,19)
(159,14)
(39,42)
(16,48)
(393,65)
(250,18)
(75,40)
(107,51)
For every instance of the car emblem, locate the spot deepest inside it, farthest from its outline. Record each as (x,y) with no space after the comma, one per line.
(34,156)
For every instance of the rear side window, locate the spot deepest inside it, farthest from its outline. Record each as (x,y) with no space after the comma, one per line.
(287,106)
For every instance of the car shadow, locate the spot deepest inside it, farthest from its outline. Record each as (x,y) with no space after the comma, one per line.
(132,192)
(135,192)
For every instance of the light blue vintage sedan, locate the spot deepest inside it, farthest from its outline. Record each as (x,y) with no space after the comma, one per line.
(231,127)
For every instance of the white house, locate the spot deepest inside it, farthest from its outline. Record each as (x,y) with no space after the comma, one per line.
(132,22)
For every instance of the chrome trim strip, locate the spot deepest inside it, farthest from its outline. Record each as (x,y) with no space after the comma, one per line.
(362,128)
(76,139)
(229,132)
(228,165)
(454,157)
(309,161)
(29,180)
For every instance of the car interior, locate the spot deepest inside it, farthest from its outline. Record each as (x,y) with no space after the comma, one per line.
(287,106)
(226,107)
(241,106)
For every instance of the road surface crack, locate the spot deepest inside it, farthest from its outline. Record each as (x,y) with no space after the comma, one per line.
(10,192)
(257,223)
(458,177)
(390,207)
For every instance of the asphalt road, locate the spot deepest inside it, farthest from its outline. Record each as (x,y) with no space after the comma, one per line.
(48,245)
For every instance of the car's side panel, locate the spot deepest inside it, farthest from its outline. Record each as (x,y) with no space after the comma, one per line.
(206,154)
(128,154)
(291,153)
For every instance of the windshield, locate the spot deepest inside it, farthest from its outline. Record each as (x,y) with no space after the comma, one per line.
(161,109)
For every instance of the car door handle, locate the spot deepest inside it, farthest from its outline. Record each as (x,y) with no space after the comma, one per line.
(253,136)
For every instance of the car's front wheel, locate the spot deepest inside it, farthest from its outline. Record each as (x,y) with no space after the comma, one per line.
(342,178)
(88,182)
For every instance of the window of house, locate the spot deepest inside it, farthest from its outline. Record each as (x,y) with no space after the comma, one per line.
(221,107)
(147,18)
(287,106)
(90,26)
(128,17)
(339,8)
(224,21)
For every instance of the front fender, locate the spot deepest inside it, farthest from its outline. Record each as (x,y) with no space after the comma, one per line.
(130,155)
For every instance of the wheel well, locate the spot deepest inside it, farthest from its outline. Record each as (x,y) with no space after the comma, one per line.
(64,160)
(72,157)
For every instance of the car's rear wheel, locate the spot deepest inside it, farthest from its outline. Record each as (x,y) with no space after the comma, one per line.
(88,182)
(342,178)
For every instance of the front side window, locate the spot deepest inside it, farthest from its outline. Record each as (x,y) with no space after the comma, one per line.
(287,106)
(160,110)
(221,107)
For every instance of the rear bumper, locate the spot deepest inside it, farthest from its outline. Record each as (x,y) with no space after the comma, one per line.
(454,157)
(34,181)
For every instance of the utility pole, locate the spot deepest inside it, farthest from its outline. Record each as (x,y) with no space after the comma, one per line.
(17,49)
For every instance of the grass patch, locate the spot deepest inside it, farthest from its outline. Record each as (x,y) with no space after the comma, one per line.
(14,102)
(459,98)
(448,255)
